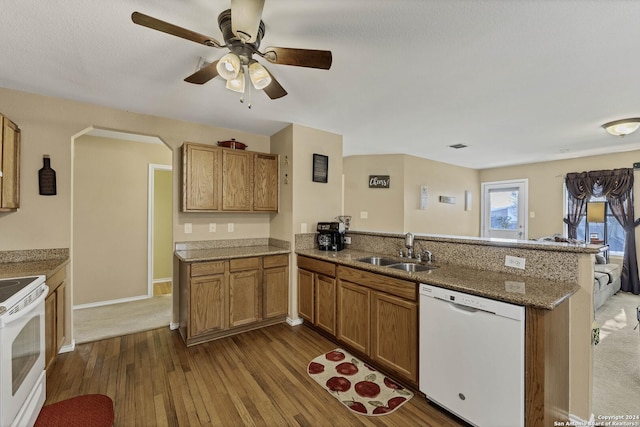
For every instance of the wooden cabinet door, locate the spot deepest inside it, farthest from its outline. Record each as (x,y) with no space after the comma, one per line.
(244,297)
(325,317)
(394,337)
(207,308)
(10,165)
(50,329)
(201,176)
(306,294)
(354,302)
(276,292)
(60,315)
(236,180)
(265,182)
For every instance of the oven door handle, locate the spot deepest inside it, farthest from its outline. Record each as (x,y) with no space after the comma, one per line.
(34,304)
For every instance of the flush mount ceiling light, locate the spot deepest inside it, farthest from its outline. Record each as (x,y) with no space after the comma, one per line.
(622,127)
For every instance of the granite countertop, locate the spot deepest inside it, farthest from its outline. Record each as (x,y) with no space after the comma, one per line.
(516,289)
(191,255)
(46,267)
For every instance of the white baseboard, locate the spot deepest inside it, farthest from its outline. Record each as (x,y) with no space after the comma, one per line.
(166,279)
(294,322)
(109,302)
(68,348)
(173,326)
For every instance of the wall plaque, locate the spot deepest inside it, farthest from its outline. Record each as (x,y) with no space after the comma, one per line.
(379,181)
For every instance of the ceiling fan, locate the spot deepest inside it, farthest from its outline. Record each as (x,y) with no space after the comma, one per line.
(242,29)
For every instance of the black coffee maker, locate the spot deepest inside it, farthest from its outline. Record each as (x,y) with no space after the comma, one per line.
(330,236)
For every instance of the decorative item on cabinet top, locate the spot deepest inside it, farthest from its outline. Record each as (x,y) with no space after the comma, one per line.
(236,145)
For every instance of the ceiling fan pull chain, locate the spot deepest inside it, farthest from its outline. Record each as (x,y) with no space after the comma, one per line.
(249,86)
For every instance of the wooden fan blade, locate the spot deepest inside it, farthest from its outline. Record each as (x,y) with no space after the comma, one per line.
(174,30)
(274,90)
(299,57)
(204,74)
(245,18)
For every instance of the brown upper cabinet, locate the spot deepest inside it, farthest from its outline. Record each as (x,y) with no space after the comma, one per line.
(216,179)
(10,165)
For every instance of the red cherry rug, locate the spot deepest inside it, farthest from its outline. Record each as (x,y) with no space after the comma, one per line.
(357,385)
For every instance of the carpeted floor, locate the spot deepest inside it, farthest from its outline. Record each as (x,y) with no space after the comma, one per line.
(93,324)
(616,365)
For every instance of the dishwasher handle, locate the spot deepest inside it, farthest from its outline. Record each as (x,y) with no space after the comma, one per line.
(463,307)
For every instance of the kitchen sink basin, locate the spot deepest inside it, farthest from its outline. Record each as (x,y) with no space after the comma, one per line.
(376,260)
(411,267)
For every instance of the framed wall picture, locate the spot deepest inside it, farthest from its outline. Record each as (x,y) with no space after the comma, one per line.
(320,168)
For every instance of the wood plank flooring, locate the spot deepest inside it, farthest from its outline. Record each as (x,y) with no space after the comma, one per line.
(257,378)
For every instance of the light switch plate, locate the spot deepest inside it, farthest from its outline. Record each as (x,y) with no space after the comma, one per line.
(212,227)
(230,227)
(188,228)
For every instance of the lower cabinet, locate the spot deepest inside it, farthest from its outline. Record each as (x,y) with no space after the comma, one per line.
(372,314)
(244,291)
(317,293)
(354,312)
(275,291)
(225,297)
(54,316)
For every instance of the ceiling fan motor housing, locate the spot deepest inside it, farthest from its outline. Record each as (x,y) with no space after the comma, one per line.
(236,45)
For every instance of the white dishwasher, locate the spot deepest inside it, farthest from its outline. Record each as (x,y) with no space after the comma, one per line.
(472,356)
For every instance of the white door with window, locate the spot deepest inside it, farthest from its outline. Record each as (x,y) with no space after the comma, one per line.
(504,209)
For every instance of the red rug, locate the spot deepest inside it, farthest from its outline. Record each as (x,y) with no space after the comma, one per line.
(357,385)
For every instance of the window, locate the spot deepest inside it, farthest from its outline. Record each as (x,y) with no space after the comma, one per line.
(615,233)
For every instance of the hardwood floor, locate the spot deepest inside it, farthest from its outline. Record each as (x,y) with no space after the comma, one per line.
(257,378)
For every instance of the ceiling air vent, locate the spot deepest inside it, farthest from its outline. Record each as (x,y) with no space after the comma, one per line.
(458,146)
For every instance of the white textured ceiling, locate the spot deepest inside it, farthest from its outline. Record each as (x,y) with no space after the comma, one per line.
(518,81)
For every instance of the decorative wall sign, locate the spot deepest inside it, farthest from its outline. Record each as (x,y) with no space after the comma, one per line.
(47,178)
(379,181)
(320,168)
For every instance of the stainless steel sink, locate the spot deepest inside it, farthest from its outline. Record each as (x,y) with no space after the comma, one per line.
(376,260)
(411,267)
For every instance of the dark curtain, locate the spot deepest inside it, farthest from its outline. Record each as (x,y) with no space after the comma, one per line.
(579,187)
(617,187)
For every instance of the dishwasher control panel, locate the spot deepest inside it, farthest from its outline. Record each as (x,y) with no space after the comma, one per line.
(471,301)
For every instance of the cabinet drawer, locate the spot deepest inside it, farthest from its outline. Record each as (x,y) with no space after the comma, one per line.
(379,282)
(315,265)
(244,264)
(276,261)
(207,268)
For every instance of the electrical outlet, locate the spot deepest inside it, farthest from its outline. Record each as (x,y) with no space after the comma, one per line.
(347,240)
(230,227)
(212,227)
(514,261)
(364,214)
(188,229)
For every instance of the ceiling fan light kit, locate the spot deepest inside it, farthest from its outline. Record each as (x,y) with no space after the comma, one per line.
(242,36)
(236,84)
(622,127)
(259,75)
(229,66)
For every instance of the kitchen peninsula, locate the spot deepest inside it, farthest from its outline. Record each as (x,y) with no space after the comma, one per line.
(553,289)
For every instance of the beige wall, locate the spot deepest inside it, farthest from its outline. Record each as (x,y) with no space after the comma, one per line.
(162,218)
(397,209)
(546,179)
(110,184)
(49,125)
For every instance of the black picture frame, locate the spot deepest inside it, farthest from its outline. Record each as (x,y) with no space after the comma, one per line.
(320,168)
